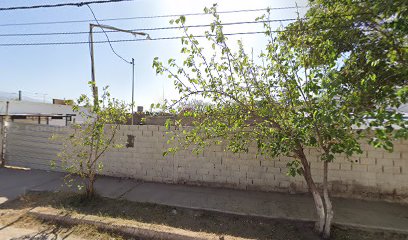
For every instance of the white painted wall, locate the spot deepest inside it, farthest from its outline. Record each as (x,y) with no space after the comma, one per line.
(24,107)
(375,172)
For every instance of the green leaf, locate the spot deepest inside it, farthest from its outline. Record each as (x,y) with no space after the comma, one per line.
(182,19)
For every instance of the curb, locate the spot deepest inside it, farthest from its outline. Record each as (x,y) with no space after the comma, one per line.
(305,220)
(372,228)
(139,232)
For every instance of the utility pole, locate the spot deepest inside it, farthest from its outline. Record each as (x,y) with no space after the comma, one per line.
(94,87)
(133,88)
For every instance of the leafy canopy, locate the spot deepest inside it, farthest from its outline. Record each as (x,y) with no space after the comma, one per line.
(308,88)
(368,40)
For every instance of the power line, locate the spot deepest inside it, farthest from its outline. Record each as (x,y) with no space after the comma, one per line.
(80,4)
(149,17)
(116,41)
(168,28)
(159,28)
(162,38)
(110,44)
(144,29)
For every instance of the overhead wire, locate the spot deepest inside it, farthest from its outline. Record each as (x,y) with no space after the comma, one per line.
(107,37)
(80,4)
(168,38)
(120,40)
(163,28)
(147,29)
(144,29)
(68,4)
(150,17)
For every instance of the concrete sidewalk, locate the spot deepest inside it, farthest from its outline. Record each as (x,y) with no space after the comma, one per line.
(351,212)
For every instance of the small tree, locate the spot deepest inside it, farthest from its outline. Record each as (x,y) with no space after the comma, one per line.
(279,101)
(84,147)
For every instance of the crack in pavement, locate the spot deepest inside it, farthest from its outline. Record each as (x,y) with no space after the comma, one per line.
(130,189)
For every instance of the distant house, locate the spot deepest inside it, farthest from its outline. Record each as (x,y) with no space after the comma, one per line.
(57,113)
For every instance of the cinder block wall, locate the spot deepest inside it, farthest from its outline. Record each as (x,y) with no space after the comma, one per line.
(372,172)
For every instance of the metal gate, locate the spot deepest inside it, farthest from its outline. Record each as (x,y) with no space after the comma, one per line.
(31,146)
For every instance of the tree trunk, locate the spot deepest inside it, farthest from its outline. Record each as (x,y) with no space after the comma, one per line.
(321,214)
(327,203)
(317,198)
(90,191)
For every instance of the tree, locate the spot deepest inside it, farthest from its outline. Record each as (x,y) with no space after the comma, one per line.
(84,147)
(295,95)
(370,40)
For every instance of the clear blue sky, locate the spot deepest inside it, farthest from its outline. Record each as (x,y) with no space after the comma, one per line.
(63,71)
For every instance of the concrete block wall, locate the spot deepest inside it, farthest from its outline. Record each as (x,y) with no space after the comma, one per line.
(375,171)
(372,172)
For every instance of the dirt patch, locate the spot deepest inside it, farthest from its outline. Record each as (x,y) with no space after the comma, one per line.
(45,229)
(14,214)
(187,219)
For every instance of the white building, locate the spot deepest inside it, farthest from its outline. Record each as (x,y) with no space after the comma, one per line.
(40,113)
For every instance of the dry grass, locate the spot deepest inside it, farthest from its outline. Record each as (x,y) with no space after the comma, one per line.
(15,214)
(157,215)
